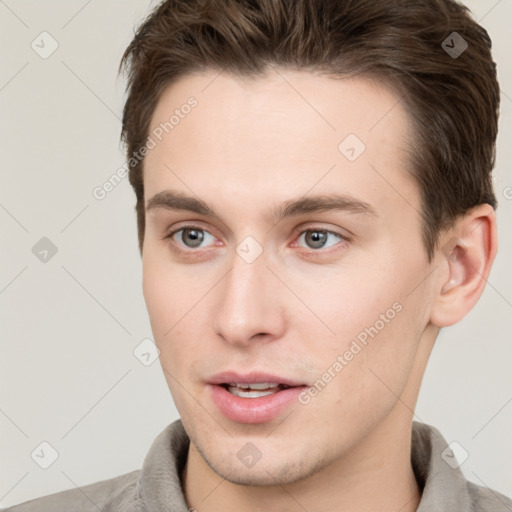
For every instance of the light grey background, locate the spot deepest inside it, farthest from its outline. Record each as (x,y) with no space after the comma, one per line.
(68,327)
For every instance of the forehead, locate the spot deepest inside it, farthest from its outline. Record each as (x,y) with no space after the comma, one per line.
(287,131)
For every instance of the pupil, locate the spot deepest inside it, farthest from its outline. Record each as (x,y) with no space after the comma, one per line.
(195,236)
(317,238)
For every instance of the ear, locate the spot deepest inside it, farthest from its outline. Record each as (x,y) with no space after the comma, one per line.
(466,254)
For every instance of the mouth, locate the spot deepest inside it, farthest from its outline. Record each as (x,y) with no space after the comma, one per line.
(254,390)
(253,398)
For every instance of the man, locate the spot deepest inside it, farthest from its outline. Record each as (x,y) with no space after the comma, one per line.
(314,201)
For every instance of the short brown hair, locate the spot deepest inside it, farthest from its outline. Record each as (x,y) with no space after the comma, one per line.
(453,100)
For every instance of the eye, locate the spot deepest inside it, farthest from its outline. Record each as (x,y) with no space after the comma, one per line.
(191,237)
(318,238)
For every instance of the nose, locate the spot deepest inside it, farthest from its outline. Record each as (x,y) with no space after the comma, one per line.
(249,304)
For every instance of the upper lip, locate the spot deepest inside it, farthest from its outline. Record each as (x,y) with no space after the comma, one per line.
(251,378)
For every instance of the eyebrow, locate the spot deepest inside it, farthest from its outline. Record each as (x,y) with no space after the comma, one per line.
(176,201)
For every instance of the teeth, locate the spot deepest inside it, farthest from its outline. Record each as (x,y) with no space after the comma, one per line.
(254,390)
(251,393)
(259,385)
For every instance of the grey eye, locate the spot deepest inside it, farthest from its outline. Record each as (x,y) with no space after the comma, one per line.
(191,237)
(316,238)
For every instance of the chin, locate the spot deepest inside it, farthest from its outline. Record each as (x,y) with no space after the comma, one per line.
(265,473)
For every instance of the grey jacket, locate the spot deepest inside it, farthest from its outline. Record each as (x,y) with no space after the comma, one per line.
(157,488)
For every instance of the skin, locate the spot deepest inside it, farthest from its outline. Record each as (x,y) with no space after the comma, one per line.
(248,146)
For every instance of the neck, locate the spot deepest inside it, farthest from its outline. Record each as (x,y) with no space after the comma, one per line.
(376,475)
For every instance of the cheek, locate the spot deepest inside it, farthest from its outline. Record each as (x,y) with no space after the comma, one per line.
(166,286)
(168,324)
(346,302)
(156,295)
(173,300)
(373,324)
(359,382)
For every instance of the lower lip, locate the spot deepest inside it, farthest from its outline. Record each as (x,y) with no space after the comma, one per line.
(254,410)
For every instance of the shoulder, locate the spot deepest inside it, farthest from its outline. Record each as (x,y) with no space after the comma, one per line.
(444,485)
(103,495)
(484,499)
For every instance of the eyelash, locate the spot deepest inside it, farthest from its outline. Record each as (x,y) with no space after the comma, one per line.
(311,229)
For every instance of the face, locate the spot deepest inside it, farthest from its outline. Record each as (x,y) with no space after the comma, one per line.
(287,295)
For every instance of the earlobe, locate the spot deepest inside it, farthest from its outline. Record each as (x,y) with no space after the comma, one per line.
(467,259)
